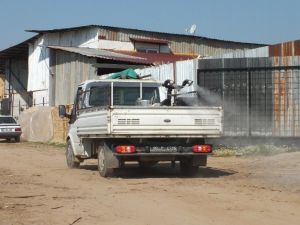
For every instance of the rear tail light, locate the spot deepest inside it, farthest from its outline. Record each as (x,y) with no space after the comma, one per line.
(202,148)
(18,129)
(125,149)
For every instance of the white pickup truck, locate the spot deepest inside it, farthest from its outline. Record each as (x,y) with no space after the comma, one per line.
(126,120)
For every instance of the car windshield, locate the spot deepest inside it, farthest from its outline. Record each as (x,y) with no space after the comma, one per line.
(7,120)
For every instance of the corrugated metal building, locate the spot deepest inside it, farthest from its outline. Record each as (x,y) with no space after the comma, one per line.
(14,72)
(259,89)
(45,63)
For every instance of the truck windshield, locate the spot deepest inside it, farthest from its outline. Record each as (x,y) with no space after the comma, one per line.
(124,95)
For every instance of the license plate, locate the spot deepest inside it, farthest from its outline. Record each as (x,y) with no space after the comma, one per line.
(6,130)
(163,149)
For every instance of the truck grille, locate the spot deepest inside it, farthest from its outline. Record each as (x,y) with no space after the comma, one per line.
(204,122)
(128,121)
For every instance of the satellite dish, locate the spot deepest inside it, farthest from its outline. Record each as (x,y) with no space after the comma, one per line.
(193,29)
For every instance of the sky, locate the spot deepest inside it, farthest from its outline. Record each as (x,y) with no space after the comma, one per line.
(257,21)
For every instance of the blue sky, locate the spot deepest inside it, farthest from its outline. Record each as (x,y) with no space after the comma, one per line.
(259,21)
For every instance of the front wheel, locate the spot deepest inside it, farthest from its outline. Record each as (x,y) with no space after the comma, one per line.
(103,162)
(70,157)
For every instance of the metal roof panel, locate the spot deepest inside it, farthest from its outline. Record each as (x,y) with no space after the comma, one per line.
(100,53)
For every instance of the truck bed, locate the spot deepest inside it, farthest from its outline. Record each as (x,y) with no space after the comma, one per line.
(139,122)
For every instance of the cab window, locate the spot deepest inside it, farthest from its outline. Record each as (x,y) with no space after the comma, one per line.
(99,96)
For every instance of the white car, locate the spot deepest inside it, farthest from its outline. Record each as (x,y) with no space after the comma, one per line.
(9,128)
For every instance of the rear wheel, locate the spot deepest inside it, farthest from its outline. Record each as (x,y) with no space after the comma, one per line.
(72,162)
(17,139)
(188,169)
(103,162)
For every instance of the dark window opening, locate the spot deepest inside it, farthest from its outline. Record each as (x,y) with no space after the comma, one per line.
(9,120)
(103,71)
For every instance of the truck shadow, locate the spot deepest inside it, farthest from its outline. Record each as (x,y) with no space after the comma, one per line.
(162,171)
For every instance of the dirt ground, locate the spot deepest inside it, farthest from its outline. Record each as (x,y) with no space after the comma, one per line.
(37,188)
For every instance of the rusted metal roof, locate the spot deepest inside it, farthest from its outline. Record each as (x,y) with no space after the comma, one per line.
(151,41)
(291,48)
(104,54)
(158,58)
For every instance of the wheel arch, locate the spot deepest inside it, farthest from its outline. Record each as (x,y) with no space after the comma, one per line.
(77,148)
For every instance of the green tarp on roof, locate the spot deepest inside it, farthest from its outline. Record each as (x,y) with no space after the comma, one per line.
(125,74)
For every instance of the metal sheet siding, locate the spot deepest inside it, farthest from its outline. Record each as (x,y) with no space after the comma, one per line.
(38,62)
(159,73)
(263,93)
(291,48)
(71,69)
(249,53)
(178,71)
(186,45)
(186,70)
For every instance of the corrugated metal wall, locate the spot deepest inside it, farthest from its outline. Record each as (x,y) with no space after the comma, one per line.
(291,48)
(185,44)
(177,71)
(39,65)
(261,96)
(70,69)
(159,73)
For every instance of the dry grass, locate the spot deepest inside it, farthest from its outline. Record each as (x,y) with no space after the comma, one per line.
(251,150)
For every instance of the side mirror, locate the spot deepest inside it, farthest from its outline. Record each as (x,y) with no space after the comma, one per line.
(62,111)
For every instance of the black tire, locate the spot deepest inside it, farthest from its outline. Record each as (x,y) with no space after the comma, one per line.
(17,139)
(102,162)
(147,164)
(188,169)
(8,139)
(70,157)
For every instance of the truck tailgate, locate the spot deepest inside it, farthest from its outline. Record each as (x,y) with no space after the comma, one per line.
(167,121)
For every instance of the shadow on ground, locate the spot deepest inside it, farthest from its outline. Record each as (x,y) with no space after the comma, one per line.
(133,171)
(6,141)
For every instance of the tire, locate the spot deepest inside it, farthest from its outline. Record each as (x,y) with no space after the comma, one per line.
(188,169)
(103,161)
(17,139)
(8,139)
(70,157)
(147,164)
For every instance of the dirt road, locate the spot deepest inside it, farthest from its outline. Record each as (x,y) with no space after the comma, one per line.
(37,188)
